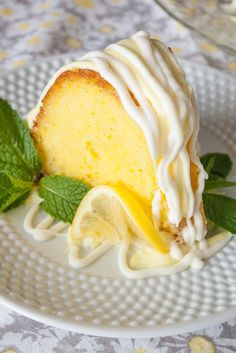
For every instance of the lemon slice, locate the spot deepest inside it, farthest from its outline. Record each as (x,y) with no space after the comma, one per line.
(106,212)
(145,257)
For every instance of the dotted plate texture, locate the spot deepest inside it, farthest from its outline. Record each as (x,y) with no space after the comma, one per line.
(36,280)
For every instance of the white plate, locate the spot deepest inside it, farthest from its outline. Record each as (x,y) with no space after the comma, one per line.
(35,278)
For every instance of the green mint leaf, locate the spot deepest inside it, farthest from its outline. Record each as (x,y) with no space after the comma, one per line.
(216,184)
(210,164)
(221,210)
(61,196)
(21,199)
(217,165)
(18,156)
(12,191)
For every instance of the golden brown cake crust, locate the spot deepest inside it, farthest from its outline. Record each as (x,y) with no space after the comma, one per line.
(73,74)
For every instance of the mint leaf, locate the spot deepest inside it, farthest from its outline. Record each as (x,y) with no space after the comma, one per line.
(18,156)
(217,165)
(221,210)
(216,184)
(21,199)
(61,196)
(12,191)
(209,164)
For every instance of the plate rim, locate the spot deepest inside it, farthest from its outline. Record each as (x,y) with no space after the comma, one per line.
(119,331)
(108,330)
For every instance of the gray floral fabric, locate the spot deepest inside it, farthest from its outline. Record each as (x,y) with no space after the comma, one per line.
(31,30)
(22,335)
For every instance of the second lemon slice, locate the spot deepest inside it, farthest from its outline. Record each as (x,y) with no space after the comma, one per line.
(107,212)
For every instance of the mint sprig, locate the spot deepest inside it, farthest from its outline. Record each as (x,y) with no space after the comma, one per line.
(218,208)
(217,165)
(218,184)
(61,196)
(221,210)
(12,191)
(18,156)
(19,160)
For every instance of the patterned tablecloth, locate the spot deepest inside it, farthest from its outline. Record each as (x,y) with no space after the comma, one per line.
(30,30)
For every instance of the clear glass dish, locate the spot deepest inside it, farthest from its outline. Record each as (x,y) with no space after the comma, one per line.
(214,19)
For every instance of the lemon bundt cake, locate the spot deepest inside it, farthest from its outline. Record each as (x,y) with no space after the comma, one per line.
(126,115)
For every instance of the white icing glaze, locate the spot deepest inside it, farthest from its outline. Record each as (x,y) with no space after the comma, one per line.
(175,251)
(197,263)
(80,262)
(45,230)
(166,113)
(215,244)
(194,258)
(203,244)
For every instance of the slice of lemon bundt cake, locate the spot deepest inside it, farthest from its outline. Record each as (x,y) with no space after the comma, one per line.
(126,115)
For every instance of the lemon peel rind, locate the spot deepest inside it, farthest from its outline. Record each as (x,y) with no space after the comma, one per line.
(133,210)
